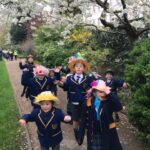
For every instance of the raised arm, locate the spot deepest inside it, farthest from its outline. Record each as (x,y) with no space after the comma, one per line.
(115,102)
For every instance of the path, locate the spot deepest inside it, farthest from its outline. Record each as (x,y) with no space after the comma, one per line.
(126,131)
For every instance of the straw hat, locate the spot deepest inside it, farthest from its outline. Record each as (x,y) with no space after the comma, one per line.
(46,96)
(78,58)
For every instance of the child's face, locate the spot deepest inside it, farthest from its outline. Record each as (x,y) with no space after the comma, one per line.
(100,94)
(30,60)
(40,77)
(79,68)
(46,105)
(109,76)
(51,73)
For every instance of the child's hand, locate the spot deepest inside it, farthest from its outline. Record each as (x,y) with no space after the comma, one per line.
(56,82)
(22,122)
(96,75)
(60,83)
(125,85)
(67,118)
(63,79)
(107,91)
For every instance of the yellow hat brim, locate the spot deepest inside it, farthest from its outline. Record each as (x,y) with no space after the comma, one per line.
(41,98)
(85,63)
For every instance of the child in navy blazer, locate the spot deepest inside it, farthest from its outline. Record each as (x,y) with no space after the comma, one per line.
(98,121)
(27,74)
(114,84)
(48,121)
(77,85)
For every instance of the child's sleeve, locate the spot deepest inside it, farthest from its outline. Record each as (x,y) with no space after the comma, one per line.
(57,75)
(115,102)
(118,83)
(50,81)
(65,86)
(30,117)
(21,66)
(61,115)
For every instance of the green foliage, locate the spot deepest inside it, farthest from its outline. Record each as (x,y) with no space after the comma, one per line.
(53,49)
(138,75)
(18,33)
(119,45)
(3,36)
(9,130)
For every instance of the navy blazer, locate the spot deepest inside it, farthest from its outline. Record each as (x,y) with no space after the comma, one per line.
(36,86)
(26,74)
(77,91)
(115,84)
(48,125)
(102,126)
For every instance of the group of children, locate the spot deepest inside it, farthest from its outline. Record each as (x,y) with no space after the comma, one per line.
(9,54)
(92,101)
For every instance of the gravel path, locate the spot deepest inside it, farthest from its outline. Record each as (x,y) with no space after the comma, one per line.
(126,131)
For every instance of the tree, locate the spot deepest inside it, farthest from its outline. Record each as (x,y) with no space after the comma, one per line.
(138,75)
(18,33)
(131,18)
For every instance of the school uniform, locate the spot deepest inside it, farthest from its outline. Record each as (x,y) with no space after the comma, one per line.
(77,87)
(65,70)
(48,126)
(53,88)
(100,125)
(37,86)
(28,73)
(114,84)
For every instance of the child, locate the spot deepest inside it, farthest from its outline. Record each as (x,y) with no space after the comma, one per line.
(48,121)
(27,73)
(97,119)
(114,84)
(39,83)
(76,85)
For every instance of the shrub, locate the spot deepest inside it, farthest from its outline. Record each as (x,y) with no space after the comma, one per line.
(138,75)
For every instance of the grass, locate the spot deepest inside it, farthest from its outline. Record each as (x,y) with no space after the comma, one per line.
(9,130)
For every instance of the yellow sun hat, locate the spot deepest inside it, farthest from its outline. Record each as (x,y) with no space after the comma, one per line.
(78,58)
(46,96)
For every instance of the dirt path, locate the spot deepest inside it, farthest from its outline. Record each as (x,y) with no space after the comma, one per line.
(126,131)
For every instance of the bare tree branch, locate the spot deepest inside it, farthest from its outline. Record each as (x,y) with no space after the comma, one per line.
(92,25)
(104,4)
(123,4)
(107,24)
(143,30)
(136,19)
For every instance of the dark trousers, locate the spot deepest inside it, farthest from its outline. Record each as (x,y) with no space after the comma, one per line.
(57,147)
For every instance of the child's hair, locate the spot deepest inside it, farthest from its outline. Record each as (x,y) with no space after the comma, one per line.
(79,63)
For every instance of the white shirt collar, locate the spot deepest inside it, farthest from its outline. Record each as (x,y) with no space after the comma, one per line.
(81,75)
(76,77)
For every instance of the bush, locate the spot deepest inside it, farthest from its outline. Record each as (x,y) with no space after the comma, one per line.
(138,75)
(18,33)
(52,49)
